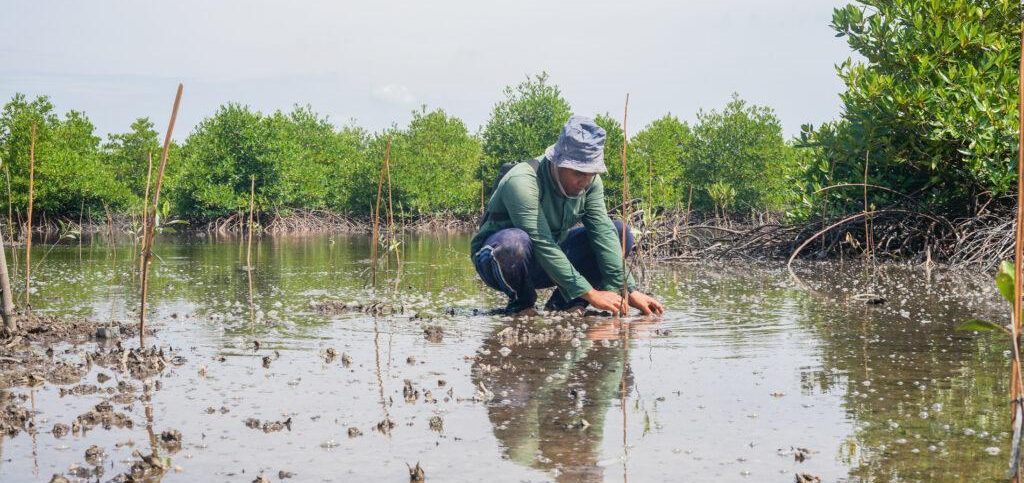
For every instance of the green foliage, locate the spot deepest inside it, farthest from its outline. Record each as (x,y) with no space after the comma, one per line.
(524,124)
(657,153)
(301,161)
(1004,280)
(433,165)
(742,146)
(613,161)
(436,160)
(128,154)
(977,325)
(1005,283)
(932,108)
(297,159)
(311,157)
(71,175)
(722,195)
(218,159)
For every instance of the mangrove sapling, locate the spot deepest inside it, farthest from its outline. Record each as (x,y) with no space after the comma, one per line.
(248,251)
(1009,282)
(252,206)
(1016,381)
(147,241)
(722,195)
(110,221)
(375,236)
(1006,281)
(625,211)
(393,242)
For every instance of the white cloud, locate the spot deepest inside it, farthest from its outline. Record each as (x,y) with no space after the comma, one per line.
(394,94)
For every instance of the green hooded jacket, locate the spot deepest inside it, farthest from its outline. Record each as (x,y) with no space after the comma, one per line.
(534,203)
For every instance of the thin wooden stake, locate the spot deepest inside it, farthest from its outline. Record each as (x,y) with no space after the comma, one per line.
(625,212)
(1016,384)
(147,253)
(28,236)
(376,216)
(869,239)
(110,220)
(145,211)
(252,206)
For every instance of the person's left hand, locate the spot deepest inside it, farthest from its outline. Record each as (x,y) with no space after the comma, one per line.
(645,303)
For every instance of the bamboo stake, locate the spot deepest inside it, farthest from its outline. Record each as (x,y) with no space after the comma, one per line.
(625,213)
(110,220)
(145,209)
(392,233)
(1016,385)
(147,253)
(28,237)
(252,205)
(376,217)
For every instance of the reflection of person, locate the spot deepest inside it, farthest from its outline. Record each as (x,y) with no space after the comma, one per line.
(549,409)
(527,242)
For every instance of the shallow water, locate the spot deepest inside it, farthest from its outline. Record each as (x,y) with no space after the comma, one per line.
(746,366)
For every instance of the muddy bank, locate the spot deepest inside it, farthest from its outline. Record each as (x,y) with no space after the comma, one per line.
(894,235)
(83,358)
(293,223)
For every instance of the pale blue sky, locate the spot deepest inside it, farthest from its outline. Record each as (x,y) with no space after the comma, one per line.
(375,61)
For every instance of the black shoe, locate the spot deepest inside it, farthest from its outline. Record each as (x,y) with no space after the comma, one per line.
(557,303)
(518,309)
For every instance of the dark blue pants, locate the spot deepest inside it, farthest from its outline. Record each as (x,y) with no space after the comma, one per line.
(506,264)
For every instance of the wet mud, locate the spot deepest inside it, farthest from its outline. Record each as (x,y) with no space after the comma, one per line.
(304,372)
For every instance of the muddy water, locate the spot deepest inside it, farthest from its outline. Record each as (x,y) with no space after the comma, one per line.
(750,375)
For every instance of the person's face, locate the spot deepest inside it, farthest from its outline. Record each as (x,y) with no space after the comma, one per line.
(574,182)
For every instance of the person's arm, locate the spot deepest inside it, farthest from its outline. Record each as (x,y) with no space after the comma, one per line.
(604,239)
(522,199)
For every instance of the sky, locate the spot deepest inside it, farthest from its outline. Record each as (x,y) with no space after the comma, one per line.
(372,62)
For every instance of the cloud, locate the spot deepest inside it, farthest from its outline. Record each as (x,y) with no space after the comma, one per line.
(394,94)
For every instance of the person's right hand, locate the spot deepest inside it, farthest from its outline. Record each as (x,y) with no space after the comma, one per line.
(604,300)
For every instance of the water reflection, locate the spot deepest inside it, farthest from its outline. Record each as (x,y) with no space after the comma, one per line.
(554,384)
(930,402)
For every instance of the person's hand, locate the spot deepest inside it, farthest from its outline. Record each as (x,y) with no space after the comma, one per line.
(604,300)
(645,303)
